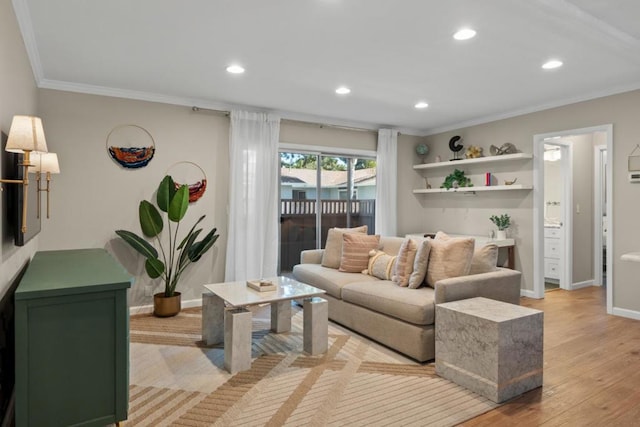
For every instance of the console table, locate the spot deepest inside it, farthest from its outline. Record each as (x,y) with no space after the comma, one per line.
(72,340)
(509,244)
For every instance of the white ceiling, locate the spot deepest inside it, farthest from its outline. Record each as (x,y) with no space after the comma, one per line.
(297,52)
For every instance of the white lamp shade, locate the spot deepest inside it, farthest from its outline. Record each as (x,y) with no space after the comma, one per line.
(26,134)
(44,162)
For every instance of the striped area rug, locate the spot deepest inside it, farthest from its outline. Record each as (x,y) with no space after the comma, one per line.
(177,380)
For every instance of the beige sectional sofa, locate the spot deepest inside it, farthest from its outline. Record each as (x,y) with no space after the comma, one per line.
(398,317)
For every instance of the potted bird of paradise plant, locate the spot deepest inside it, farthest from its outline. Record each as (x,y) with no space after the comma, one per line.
(170,259)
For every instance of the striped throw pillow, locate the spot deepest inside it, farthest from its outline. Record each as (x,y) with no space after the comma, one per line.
(355,251)
(404,263)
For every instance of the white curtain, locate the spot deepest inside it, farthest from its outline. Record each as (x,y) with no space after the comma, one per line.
(252,246)
(386,182)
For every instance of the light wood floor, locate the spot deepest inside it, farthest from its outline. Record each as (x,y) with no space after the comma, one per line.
(591,367)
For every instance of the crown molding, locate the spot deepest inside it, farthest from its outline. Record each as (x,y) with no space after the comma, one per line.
(23,16)
(541,107)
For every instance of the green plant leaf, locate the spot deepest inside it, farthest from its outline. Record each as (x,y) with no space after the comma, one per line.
(191,237)
(200,248)
(154,267)
(138,243)
(179,204)
(165,193)
(150,219)
(190,231)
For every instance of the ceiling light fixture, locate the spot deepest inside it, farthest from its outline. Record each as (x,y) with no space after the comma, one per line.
(343,90)
(464,34)
(235,69)
(421,105)
(550,65)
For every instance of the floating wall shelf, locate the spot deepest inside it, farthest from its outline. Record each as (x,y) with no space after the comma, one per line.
(473,189)
(488,159)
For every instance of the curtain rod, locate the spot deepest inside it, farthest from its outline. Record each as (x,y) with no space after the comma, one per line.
(321,125)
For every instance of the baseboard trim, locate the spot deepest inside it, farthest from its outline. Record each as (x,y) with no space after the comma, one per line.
(584,284)
(527,293)
(145,309)
(623,312)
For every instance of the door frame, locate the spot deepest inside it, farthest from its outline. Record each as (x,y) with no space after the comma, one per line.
(600,159)
(538,207)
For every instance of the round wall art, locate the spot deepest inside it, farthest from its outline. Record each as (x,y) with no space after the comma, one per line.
(192,175)
(131,146)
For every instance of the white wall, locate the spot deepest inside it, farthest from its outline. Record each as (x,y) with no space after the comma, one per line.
(17,96)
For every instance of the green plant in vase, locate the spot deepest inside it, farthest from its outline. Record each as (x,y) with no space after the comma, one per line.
(502,222)
(456,179)
(170,259)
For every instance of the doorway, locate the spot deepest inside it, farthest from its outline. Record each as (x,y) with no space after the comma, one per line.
(582,209)
(558,190)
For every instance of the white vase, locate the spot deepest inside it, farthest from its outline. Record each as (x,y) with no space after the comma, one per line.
(501,235)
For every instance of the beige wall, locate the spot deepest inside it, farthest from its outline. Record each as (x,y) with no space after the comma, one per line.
(470,213)
(93,196)
(17,96)
(582,209)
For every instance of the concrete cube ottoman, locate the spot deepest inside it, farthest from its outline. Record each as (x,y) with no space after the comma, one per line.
(490,347)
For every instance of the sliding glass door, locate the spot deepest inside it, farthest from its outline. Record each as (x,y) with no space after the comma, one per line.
(320,191)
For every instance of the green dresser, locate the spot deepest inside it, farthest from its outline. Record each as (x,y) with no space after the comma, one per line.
(72,340)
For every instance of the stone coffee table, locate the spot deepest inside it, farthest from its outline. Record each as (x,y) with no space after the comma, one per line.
(225,317)
(490,347)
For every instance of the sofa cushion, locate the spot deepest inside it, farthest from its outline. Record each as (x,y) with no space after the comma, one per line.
(380,264)
(404,264)
(333,248)
(383,296)
(355,251)
(391,244)
(420,264)
(485,259)
(449,257)
(328,279)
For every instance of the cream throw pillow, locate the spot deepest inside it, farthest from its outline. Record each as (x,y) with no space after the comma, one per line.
(333,248)
(420,265)
(404,263)
(380,264)
(449,257)
(485,259)
(355,251)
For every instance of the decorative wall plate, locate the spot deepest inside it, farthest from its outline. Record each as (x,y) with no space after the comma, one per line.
(192,175)
(131,146)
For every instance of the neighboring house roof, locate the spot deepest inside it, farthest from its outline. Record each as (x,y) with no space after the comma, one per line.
(308,177)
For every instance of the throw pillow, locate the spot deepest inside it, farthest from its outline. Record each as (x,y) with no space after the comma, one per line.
(355,251)
(485,259)
(420,265)
(404,263)
(380,264)
(449,257)
(333,248)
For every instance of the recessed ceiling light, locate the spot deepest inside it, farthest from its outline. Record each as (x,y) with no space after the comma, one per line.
(421,105)
(550,65)
(343,90)
(464,34)
(235,69)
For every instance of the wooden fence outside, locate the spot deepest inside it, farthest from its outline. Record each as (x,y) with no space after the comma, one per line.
(298,224)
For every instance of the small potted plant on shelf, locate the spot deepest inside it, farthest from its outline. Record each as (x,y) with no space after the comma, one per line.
(168,264)
(502,222)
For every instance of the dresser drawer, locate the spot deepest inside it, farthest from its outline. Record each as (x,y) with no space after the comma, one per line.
(552,248)
(552,232)
(551,268)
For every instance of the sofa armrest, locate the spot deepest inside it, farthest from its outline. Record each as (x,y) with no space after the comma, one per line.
(311,256)
(502,285)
